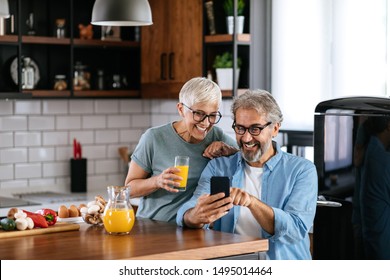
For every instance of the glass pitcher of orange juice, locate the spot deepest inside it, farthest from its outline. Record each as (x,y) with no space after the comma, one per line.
(118,216)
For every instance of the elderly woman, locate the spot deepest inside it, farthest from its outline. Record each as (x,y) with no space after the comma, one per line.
(151,173)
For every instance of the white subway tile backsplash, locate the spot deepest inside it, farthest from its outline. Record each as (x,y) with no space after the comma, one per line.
(81,107)
(131,106)
(54,107)
(36,138)
(13,155)
(98,183)
(63,153)
(27,139)
(142,120)
(6,172)
(27,107)
(130,135)
(64,182)
(106,106)
(146,106)
(13,123)
(91,122)
(159,119)
(168,106)
(112,151)
(55,138)
(82,136)
(173,118)
(95,152)
(68,122)
(155,106)
(50,182)
(28,170)
(41,154)
(106,136)
(116,179)
(56,169)
(119,121)
(12,184)
(6,139)
(41,123)
(107,166)
(6,107)
(90,167)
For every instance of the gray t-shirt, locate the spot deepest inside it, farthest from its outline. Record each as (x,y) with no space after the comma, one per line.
(156,152)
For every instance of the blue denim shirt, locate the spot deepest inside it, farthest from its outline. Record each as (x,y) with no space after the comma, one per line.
(289,186)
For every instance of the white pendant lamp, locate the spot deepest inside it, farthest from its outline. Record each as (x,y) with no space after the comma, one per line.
(121,13)
(4,9)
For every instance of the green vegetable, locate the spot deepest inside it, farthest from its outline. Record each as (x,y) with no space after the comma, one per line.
(7,224)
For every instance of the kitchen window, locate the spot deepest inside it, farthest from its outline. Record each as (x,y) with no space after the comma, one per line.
(324,49)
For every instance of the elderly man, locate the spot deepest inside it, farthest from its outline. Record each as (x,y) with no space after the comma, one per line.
(273,194)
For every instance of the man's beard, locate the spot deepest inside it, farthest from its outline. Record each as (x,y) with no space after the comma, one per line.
(254,156)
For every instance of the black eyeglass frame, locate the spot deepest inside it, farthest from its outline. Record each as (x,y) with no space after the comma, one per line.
(194,112)
(259,127)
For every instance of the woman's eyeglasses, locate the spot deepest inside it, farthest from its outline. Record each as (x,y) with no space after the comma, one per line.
(199,116)
(254,130)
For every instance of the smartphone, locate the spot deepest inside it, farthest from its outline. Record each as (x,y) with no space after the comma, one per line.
(220,184)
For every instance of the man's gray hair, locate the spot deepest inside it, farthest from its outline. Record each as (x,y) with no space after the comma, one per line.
(261,101)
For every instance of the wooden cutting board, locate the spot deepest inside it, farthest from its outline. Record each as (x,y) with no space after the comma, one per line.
(58,227)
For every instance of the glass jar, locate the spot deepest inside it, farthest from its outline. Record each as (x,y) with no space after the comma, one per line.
(60,82)
(118,216)
(60,31)
(81,80)
(100,79)
(116,81)
(28,74)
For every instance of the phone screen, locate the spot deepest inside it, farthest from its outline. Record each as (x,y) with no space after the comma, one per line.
(220,184)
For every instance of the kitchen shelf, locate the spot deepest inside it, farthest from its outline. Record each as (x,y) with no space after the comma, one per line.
(48,93)
(45,40)
(105,43)
(106,93)
(229,93)
(238,44)
(117,54)
(228,38)
(9,39)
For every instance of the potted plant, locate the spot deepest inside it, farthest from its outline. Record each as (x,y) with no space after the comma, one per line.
(223,65)
(229,11)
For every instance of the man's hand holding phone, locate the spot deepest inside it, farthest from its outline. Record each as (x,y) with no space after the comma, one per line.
(210,208)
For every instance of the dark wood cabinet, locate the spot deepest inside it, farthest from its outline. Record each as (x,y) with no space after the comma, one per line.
(172,48)
(33,34)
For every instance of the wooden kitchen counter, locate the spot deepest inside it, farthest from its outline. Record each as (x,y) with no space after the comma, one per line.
(148,240)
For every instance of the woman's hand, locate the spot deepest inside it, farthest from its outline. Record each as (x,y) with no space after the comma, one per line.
(218,149)
(166,180)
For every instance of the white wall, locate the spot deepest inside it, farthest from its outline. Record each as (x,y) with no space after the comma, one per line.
(36,138)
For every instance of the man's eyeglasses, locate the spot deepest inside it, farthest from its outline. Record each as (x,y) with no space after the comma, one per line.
(254,130)
(199,116)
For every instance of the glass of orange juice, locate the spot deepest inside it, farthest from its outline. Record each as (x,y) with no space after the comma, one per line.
(118,216)
(182,163)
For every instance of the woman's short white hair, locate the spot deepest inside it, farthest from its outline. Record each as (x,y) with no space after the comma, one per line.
(200,90)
